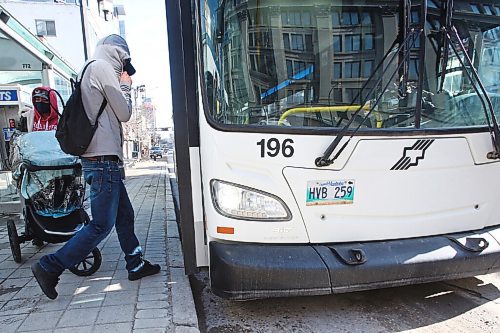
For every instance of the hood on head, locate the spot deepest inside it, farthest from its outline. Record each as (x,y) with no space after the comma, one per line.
(44,101)
(114,50)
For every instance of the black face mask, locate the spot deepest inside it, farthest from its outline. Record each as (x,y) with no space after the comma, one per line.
(43,108)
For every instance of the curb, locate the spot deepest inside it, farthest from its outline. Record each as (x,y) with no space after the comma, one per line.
(185,318)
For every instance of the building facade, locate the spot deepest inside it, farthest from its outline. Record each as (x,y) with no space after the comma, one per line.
(72,27)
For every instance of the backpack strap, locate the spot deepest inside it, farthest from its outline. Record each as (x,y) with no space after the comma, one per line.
(101,109)
(83,71)
(104,101)
(60,98)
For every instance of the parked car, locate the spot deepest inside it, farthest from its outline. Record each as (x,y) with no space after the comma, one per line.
(155,152)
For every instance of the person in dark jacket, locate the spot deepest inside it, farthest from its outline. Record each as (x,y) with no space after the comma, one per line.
(107,77)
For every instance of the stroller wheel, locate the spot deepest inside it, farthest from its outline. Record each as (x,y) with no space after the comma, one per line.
(14,241)
(89,265)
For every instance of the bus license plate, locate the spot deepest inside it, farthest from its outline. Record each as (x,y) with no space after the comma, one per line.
(330,192)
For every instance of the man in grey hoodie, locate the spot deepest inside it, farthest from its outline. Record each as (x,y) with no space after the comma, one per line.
(107,77)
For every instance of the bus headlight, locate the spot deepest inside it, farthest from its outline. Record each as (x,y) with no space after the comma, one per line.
(244,203)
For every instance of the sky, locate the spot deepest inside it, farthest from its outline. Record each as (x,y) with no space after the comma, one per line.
(146,35)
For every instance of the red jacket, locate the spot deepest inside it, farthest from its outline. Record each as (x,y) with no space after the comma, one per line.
(46,109)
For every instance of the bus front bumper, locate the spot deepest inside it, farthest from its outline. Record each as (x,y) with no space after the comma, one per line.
(248,271)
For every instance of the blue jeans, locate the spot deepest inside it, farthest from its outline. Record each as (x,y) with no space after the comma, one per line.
(110,207)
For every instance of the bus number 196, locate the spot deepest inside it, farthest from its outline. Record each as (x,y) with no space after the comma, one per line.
(273,147)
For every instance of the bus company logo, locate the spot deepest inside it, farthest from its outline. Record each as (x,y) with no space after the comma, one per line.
(412,155)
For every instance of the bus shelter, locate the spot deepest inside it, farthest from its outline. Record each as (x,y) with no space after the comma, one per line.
(26,62)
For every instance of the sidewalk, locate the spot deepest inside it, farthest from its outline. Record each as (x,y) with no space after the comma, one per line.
(107,301)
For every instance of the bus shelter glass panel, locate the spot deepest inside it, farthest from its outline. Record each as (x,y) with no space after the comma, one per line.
(316,63)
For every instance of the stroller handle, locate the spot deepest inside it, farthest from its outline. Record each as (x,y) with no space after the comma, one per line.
(31,167)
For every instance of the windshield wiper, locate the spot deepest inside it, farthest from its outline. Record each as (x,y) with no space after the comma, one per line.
(324,160)
(477,84)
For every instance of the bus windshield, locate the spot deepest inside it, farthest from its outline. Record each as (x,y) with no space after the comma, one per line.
(314,63)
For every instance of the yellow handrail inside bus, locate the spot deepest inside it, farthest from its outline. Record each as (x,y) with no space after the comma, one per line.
(314,109)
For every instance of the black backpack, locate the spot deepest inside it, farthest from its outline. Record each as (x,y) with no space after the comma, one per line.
(74,130)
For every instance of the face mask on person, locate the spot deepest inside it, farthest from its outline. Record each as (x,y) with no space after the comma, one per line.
(41,101)
(43,107)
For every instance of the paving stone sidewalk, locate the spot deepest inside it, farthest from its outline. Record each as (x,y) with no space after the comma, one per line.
(107,301)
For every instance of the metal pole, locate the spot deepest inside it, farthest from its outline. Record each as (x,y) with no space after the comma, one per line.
(82,18)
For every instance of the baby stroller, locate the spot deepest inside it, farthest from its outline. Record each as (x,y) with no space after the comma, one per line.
(52,193)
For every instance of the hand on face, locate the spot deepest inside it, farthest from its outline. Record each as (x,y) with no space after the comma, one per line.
(125,78)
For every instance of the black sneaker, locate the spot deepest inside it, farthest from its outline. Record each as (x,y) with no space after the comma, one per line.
(146,270)
(47,281)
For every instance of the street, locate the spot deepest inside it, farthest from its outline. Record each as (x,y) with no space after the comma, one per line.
(467,305)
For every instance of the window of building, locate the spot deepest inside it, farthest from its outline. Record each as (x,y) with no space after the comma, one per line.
(352,43)
(488,9)
(251,39)
(414,41)
(297,42)
(286,41)
(63,86)
(253,62)
(236,59)
(309,43)
(296,18)
(350,18)
(337,95)
(336,18)
(306,18)
(366,18)
(475,8)
(368,42)
(45,27)
(260,38)
(414,16)
(352,95)
(310,66)
(337,70)
(295,67)
(289,68)
(298,66)
(367,68)
(352,69)
(413,69)
(337,44)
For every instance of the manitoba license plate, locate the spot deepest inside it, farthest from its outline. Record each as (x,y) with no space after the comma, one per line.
(330,192)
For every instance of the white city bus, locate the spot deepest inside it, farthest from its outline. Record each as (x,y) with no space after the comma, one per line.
(327,146)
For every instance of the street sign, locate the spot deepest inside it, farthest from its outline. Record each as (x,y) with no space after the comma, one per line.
(9,95)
